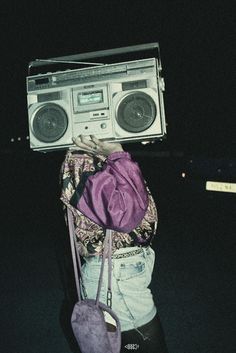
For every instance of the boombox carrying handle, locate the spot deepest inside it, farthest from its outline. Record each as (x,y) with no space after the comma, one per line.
(75,59)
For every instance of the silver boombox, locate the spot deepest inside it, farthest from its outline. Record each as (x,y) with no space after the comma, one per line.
(121,102)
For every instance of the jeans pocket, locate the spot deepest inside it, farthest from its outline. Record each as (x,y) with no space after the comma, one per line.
(133,270)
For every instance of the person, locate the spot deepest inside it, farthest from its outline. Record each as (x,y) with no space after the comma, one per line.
(104,188)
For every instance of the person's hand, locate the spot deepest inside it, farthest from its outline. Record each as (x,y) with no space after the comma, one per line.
(96,146)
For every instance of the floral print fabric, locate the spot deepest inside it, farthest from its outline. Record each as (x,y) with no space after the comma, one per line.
(90,236)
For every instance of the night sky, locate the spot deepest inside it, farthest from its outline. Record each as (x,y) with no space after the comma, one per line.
(196,41)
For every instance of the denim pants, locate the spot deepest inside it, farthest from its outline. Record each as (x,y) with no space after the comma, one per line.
(132,300)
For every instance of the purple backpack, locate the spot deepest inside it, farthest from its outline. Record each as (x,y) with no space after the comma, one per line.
(87,319)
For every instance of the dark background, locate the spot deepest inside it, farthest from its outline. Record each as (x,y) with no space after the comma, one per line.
(193,278)
(196,41)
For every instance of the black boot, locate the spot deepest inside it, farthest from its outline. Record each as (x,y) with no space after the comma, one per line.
(148,338)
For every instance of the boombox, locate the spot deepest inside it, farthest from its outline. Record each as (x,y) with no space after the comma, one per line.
(121,102)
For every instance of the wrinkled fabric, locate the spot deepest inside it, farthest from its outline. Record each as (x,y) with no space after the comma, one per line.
(90,330)
(89,234)
(115,197)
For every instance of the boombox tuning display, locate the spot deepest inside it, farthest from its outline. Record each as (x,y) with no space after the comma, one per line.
(120,102)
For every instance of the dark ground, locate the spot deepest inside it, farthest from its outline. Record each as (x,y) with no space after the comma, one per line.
(193,280)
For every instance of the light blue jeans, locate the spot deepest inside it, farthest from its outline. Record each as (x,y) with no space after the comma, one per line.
(132,300)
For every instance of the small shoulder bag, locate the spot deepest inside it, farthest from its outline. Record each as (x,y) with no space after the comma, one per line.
(87,318)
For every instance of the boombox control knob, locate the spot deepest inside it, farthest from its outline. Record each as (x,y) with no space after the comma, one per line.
(103,125)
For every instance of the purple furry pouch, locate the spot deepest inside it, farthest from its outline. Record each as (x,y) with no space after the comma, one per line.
(87,320)
(90,329)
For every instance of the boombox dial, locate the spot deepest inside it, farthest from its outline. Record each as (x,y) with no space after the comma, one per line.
(136,112)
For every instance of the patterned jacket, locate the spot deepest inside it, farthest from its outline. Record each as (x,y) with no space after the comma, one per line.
(107,193)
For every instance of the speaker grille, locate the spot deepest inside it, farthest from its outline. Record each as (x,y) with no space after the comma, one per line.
(136,112)
(50,123)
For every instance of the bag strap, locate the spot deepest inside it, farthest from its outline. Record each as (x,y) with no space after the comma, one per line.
(107,250)
(107,247)
(73,251)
